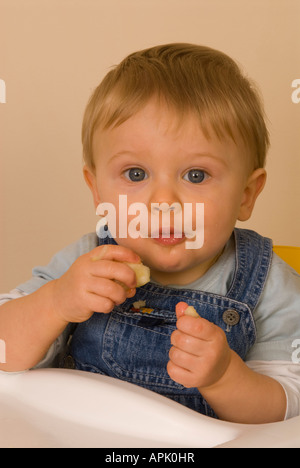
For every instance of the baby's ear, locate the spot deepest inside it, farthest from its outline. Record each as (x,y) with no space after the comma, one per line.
(254,187)
(91,181)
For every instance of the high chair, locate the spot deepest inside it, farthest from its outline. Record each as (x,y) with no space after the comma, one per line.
(290,255)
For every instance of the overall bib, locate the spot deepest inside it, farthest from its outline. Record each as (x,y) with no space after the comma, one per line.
(132,343)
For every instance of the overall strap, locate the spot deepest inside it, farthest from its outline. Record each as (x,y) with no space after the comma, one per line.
(253,260)
(106,238)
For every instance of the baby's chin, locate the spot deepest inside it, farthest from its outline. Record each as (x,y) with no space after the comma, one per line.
(167,259)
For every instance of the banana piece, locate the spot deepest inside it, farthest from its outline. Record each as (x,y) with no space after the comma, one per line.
(190,310)
(142,273)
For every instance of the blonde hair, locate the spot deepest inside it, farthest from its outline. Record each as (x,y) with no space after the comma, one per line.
(189,78)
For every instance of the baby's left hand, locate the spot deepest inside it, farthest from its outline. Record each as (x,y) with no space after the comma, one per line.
(200,354)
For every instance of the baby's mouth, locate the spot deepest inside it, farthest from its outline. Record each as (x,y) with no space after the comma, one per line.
(168,237)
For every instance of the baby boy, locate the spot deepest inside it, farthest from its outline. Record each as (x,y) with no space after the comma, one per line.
(177,130)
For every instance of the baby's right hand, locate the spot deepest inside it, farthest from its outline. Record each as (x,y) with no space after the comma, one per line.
(92,283)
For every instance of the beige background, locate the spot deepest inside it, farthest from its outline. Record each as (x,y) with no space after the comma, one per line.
(54,52)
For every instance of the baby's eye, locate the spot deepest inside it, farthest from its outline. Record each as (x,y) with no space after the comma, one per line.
(136,174)
(196,176)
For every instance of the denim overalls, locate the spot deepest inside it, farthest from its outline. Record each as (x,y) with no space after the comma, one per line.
(132,343)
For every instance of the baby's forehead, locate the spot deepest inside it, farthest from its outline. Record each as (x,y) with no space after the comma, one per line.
(161,129)
(161,118)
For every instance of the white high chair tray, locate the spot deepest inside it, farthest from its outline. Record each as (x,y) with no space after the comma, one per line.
(59,408)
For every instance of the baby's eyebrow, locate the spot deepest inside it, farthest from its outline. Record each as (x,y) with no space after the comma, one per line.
(194,155)
(123,153)
(221,159)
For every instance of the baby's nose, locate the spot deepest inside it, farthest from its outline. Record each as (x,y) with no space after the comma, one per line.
(164,197)
(165,207)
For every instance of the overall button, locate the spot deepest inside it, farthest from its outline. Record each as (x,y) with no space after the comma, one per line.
(231,317)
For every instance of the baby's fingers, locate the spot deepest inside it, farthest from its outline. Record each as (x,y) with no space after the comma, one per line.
(197,327)
(116,271)
(180,308)
(110,289)
(114,252)
(187,343)
(107,262)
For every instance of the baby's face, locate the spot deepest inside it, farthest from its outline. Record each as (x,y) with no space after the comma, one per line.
(151,159)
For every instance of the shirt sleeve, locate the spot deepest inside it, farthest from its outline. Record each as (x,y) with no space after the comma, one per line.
(277,316)
(276,352)
(14,294)
(288,375)
(59,264)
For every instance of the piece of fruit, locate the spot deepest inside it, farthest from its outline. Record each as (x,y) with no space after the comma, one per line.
(142,273)
(191,311)
(182,308)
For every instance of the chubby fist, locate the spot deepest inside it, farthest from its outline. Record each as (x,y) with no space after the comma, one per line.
(96,282)
(200,354)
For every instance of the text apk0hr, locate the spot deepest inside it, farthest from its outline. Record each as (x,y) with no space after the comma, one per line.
(159,457)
